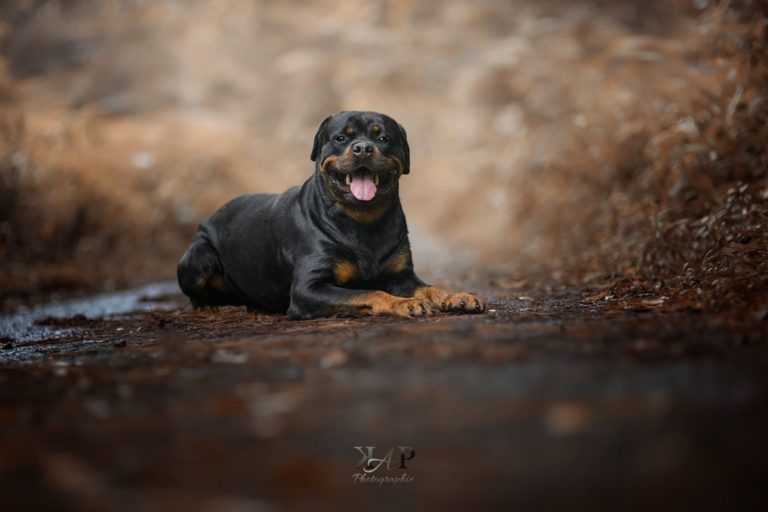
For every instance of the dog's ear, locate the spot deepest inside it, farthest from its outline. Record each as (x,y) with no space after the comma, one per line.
(318,145)
(406,150)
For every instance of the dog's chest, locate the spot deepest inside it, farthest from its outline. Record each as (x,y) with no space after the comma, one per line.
(367,267)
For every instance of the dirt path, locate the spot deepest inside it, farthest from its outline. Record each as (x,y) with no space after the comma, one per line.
(546,400)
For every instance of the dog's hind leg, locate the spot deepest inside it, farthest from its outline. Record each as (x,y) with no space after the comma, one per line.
(202,278)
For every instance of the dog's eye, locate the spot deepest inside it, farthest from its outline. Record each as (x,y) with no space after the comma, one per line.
(383,139)
(341,138)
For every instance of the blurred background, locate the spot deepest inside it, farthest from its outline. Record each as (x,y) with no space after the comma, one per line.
(572,141)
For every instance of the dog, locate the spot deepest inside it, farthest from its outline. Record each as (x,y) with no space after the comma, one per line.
(335,246)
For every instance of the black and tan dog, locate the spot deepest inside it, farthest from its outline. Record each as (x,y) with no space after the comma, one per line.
(337,245)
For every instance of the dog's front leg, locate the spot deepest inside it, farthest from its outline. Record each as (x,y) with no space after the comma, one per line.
(312,300)
(314,293)
(405,283)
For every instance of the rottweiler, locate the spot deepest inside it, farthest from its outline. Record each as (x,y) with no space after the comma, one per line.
(336,245)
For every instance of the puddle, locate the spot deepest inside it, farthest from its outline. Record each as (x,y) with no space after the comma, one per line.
(24,326)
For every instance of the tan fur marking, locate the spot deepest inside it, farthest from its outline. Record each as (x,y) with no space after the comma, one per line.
(381,303)
(459,302)
(212,282)
(350,130)
(216,282)
(365,215)
(344,271)
(373,303)
(431,294)
(331,161)
(397,262)
(395,162)
(375,130)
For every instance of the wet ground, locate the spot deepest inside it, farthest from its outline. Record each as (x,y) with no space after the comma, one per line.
(551,400)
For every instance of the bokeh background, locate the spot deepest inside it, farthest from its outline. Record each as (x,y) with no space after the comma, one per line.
(562,141)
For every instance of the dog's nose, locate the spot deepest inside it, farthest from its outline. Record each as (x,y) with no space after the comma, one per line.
(362,148)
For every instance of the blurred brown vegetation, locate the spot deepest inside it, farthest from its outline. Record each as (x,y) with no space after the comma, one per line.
(618,143)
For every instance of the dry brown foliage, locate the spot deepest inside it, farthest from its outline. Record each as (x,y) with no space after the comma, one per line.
(688,211)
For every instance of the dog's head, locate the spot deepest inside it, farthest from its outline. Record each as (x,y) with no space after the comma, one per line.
(361,156)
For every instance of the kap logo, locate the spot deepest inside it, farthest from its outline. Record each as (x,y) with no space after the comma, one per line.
(369,464)
(391,460)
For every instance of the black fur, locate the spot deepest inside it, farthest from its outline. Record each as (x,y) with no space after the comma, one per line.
(278,252)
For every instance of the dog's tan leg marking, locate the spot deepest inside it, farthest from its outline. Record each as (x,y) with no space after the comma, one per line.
(378,303)
(344,271)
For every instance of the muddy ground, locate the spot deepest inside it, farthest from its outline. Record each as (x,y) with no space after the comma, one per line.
(552,399)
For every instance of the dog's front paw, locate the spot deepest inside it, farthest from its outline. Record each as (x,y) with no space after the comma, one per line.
(462,302)
(411,308)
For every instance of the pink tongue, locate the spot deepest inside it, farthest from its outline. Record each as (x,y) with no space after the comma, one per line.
(362,186)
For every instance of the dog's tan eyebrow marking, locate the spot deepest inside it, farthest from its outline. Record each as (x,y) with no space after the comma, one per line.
(350,130)
(376,130)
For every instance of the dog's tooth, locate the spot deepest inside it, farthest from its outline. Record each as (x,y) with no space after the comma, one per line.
(376,179)
(349,179)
